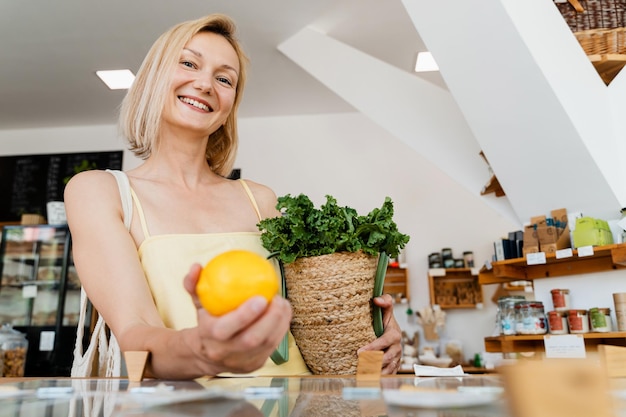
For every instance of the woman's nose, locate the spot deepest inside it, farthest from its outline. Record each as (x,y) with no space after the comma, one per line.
(204,84)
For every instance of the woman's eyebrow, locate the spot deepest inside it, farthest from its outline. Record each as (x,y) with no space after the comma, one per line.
(199,55)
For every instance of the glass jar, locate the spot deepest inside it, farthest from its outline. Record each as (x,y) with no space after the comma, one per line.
(506,313)
(446,253)
(600,320)
(13,349)
(468,259)
(434,260)
(578,321)
(560,299)
(557,322)
(530,318)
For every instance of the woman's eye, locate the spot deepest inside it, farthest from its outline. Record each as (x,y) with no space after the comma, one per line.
(224,80)
(188,64)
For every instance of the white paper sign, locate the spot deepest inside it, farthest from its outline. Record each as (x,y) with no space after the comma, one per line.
(564,253)
(46,341)
(565,346)
(538,258)
(29,291)
(585,251)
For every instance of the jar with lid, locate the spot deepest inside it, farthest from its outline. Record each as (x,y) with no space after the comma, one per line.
(530,318)
(560,299)
(506,313)
(13,349)
(578,321)
(435,260)
(600,319)
(468,258)
(557,322)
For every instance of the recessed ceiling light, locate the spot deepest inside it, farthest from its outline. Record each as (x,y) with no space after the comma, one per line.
(117,79)
(425,62)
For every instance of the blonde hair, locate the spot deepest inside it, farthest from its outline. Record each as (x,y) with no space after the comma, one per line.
(142,108)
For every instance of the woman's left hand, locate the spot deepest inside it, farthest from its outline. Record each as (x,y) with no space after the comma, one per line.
(390,341)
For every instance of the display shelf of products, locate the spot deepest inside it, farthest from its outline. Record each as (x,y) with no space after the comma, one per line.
(40,294)
(602,258)
(535,342)
(455,287)
(397,283)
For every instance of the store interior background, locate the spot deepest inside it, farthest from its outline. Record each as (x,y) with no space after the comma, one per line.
(513,82)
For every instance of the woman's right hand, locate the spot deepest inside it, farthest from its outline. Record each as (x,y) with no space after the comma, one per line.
(242,340)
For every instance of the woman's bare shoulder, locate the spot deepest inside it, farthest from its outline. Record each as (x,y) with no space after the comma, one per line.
(90,182)
(94,193)
(265,198)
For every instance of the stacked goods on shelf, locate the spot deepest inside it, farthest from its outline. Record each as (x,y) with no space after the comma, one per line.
(547,234)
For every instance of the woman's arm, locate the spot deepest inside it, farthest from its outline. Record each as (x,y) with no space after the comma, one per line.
(107,263)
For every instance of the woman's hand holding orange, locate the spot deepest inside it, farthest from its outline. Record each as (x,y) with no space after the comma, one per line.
(240,340)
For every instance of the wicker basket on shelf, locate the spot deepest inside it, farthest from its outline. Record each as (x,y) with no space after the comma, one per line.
(332,312)
(602,41)
(583,15)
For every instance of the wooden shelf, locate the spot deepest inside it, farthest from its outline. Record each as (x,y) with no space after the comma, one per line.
(396,283)
(454,287)
(608,65)
(534,343)
(604,258)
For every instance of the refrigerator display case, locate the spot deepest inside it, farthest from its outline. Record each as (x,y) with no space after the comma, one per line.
(40,295)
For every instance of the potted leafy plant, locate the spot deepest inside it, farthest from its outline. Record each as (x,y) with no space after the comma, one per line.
(334,263)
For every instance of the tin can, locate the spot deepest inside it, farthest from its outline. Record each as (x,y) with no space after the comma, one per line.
(578,321)
(557,321)
(560,299)
(600,319)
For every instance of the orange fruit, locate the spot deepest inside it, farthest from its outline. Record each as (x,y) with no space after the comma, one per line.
(233,277)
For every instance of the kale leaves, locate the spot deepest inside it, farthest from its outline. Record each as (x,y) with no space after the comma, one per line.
(303,230)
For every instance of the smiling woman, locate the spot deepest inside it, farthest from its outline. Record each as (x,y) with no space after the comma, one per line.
(140,237)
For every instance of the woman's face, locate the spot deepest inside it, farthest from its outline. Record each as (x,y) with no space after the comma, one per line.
(203,85)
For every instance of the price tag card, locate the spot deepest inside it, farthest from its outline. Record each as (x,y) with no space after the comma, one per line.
(537,258)
(29,291)
(585,251)
(564,253)
(565,346)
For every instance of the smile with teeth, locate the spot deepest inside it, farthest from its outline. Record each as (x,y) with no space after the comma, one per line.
(195,103)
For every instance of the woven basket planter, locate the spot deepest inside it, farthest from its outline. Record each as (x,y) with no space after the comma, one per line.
(332,312)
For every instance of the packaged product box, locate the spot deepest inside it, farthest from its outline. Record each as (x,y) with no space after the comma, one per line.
(557,236)
(531,242)
(552,238)
(547,234)
(559,216)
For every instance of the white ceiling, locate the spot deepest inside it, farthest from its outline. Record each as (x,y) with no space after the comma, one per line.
(50,50)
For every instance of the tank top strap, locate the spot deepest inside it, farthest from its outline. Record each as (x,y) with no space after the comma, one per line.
(251,197)
(123,184)
(142,218)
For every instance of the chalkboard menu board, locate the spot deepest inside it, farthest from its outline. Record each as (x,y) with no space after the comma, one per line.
(28,182)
